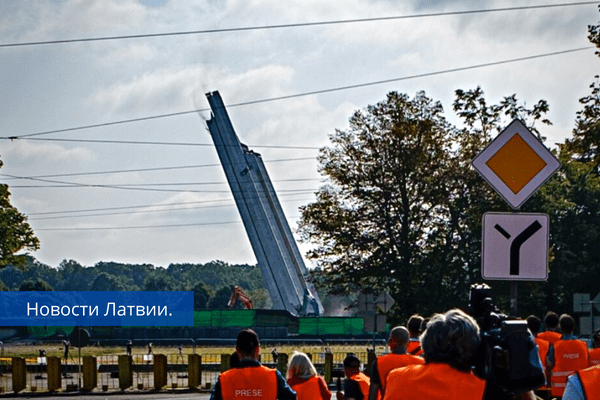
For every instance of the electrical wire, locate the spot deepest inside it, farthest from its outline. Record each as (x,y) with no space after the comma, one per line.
(141,206)
(150,211)
(166,143)
(113,228)
(157,184)
(63,184)
(311,93)
(298,25)
(144,169)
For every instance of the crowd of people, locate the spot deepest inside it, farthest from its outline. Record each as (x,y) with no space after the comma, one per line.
(429,359)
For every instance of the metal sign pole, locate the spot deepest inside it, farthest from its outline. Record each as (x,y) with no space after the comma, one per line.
(513,298)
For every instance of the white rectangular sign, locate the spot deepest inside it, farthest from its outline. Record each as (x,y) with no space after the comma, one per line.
(515,246)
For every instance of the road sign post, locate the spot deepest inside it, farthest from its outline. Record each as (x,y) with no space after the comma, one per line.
(515,246)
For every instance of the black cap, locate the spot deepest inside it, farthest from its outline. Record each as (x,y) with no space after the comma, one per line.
(247,341)
(351,361)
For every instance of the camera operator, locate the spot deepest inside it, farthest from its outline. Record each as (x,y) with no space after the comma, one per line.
(449,344)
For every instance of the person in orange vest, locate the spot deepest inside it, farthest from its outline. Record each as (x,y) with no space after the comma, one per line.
(570,355)
(414,328)
(544,347)
(552,333)
(251,380)
(583,385)
(450,343)
(594,354)
(303,378)
(383,365)
(356,384)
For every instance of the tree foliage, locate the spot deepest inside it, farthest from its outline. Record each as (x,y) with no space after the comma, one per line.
(35,285)
(401,210)
(15,232)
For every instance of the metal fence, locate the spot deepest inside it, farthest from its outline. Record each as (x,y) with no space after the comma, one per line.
(142,371)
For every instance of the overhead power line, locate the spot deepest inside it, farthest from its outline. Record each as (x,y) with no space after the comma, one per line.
(143,169)
(230,203)
(113,228)
(304,94)
(298,25)
(138,207)
(63,184)
(157,184)
(259,146)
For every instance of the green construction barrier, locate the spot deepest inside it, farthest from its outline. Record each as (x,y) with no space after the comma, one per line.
(233,318)
(224,318)
(331,326)
(42,332)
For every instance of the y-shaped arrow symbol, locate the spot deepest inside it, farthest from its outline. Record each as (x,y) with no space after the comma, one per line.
(515,246)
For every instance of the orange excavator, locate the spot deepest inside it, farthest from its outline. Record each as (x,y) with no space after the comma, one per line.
(238,293)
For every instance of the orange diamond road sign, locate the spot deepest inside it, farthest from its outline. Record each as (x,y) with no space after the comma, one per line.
(516,164)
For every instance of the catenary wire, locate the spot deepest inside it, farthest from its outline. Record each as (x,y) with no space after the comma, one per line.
(304,94)
(298,25)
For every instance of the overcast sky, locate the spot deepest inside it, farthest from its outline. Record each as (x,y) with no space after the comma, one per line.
(173,204)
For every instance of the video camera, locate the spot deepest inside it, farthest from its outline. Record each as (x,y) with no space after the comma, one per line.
(508,357)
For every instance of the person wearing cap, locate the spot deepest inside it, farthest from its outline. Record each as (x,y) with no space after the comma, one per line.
(356,384)
(450,343)
(383,365)
(251,380)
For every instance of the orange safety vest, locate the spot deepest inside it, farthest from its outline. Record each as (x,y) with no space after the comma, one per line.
(550,336)
(594,357)
(433,381)
(569,356)
(249,383)
(363,381)
(309,389)
(414,347)
(392,361)
(590,382)
(543,348)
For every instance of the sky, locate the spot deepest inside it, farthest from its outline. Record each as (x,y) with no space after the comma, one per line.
(92,195)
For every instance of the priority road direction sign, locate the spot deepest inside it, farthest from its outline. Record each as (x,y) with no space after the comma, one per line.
(516,164)
(515,246)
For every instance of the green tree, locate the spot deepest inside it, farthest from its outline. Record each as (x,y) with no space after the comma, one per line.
(3,287)
(108,282)
(221,298)
(482,122)
(35,285)
(159,280)
(202,295)
(15,232)
(383,213)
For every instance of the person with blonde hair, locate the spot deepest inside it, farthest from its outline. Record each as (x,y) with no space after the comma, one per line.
(303,378)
